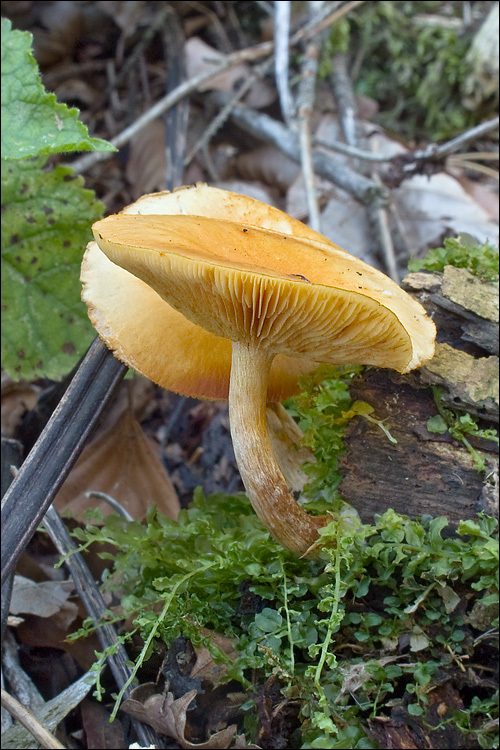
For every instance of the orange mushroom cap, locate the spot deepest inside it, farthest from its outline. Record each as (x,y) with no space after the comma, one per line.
(173,278)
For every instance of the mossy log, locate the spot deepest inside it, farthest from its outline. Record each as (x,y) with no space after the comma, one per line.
(424,472)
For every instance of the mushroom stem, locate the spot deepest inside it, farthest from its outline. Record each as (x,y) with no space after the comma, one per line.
(264,482)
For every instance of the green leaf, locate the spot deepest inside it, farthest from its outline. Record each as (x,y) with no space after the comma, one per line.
(437,425)
(414,709)
(33,122)
(46,225)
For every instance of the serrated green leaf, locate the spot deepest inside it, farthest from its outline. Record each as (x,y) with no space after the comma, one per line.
(33,122)
(46,225)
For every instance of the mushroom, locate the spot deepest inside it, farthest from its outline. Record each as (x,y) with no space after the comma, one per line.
(249,285)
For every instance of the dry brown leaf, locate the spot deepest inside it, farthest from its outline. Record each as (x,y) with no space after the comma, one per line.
(123,463)
(147,165)
(127,14)
(168,716)
(64,25)
(100,733)
(205,667)
(268,165)
(44,598)
(201,58)
(17,399)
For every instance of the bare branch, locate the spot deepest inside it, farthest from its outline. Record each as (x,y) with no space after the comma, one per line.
(282,56)
(30,722)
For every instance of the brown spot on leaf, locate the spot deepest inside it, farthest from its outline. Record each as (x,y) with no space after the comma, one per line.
(14,239)
(68,348)
(21,354)
(66,243)
(47,210)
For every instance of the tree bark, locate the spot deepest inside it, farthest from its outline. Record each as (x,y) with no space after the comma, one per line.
(424,472)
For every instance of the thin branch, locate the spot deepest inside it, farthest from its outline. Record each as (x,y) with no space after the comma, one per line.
(56,450)
(20,713)
(94,604)
(110,501)
(171,99)
(438,151)
(266,128)
(329,15)
(344,148)
(250,54)
(225,112)
(344,98)
(305,105)
(282,56)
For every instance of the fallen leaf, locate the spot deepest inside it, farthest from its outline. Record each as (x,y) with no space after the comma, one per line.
(168,716)
(147,165)
(44,599)
(269,165)
(205,667)
(100,733)
(201,58)
(17,399)
(124,464)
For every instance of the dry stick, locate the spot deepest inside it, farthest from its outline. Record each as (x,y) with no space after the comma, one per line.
(176,117)
(225,112)
(246,55)
(436,151)
(377,214)
(344,98)
(171,99)
(30,722)
(282,56)
(95,606)
(266,128)
(304,107)
(56,450)
(328,15)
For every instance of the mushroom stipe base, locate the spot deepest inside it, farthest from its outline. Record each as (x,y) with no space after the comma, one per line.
(264,482)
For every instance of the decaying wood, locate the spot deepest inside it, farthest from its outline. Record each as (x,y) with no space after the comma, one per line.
(424,472)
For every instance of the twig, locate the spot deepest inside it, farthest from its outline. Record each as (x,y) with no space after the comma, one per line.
(266,128)
(357,153)
(305,105)
(56,450)
(94,604)
(112,502)
(225,112)
(344,97)
(156,24)
(176,117)
(330,13)
(435,151)
(20,684)
(379,217)
(250,54)
(282,56)
(30,722)
(171,99)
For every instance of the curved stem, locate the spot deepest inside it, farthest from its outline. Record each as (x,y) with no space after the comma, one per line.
(264,482)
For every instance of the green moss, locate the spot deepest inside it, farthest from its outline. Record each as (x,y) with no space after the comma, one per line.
(480,259)
(414,71)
